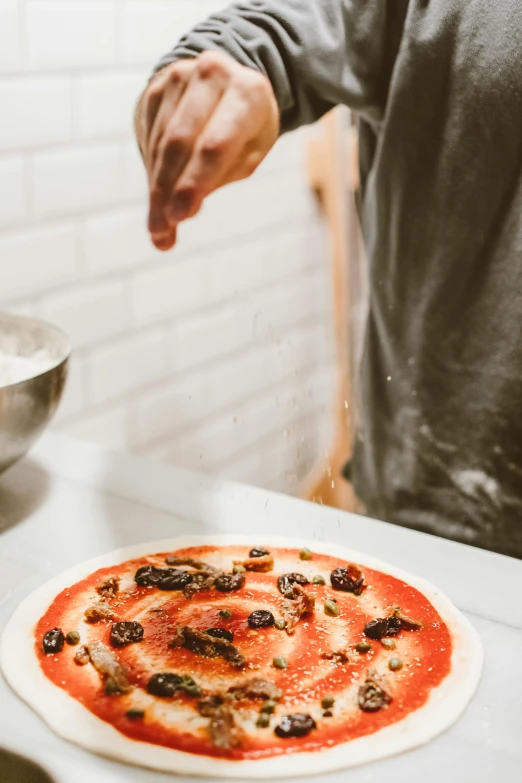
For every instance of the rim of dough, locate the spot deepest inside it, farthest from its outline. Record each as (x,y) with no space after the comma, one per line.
(75,723)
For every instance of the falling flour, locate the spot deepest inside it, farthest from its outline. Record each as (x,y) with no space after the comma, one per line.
(14,369)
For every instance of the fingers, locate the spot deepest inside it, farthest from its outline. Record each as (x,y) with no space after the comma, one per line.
(222,147)
(202,123)
(171,153)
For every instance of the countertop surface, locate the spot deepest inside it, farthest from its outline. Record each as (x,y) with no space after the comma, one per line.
(70,501)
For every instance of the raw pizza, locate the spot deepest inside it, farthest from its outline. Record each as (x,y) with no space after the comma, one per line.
(230,657)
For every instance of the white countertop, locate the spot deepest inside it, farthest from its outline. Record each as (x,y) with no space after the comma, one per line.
(70,501)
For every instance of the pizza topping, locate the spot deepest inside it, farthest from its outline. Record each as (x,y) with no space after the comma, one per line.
(348,578)
(192,562)
(148,576)
(328,714)
(318,580)
(166,685)
(388,643)
(209,704)
(98,611)
(125,633)
(263,721)
(226,614)
(135,714)
(221,633)
(285,581)
(202,643)
(257,688)
(407,622)
(372,696)
(258,551)
(327,702)
(297,725)
(384,626)
(363,647)
(293,609)
(261,618)
(305,554)
(339,656)
(82,656)
(269,707)
(72,638)
(162,578)
(222,728)
(280,662)
(109,587)
(225,583)
(331,608)
(394,664)
(106,663)
(280,624)
(53,641)
(259,563)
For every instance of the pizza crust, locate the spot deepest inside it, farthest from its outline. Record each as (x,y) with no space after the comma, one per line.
(68,718)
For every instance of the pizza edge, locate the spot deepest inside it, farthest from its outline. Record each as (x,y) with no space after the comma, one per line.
(73,722)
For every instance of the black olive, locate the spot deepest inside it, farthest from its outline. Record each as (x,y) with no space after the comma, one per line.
(227,582)
(221,633)
(53,641)
(297,725)
(285,581)
(167,684)
(174,579)
(146,576)
(349,579)
(261,618)
(258,551)
(125,633)
(163,578)
(385,626)
(372,697)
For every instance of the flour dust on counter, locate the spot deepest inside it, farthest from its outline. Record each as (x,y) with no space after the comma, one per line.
(232,657)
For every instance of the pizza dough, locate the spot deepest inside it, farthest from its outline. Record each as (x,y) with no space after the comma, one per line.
(77,723)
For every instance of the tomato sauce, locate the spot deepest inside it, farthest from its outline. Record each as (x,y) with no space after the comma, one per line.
(426,653)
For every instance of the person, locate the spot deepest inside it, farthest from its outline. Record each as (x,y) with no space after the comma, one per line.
(436,86)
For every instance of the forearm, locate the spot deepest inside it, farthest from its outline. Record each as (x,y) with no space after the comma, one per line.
(300,45)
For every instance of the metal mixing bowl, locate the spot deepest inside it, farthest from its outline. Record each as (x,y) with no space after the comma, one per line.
(27,407)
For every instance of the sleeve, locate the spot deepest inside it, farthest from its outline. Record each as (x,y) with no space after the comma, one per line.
(316,53)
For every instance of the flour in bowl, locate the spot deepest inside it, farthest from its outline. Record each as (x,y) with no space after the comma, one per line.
(14,369)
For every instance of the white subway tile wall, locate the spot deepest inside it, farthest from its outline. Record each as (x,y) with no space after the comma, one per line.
(217,355)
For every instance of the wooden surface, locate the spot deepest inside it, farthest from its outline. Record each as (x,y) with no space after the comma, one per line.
(332,173)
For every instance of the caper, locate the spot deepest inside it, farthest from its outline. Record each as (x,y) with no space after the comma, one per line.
(238,569)
(331,608)
(363,647)
(226,614)
(280,662)
(263,721)
(305,554)
(135,714)
(394,664)
(111,687)
(388,643)
(318,580)
(327,702)
(280,624)
(73,637)
(327,714)
(269,707)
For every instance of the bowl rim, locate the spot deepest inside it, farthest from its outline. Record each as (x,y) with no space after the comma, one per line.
(6,316)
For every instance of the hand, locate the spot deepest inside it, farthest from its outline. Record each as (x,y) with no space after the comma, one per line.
(201,124)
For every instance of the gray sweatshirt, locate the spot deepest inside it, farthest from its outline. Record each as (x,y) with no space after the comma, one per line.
(437,87)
